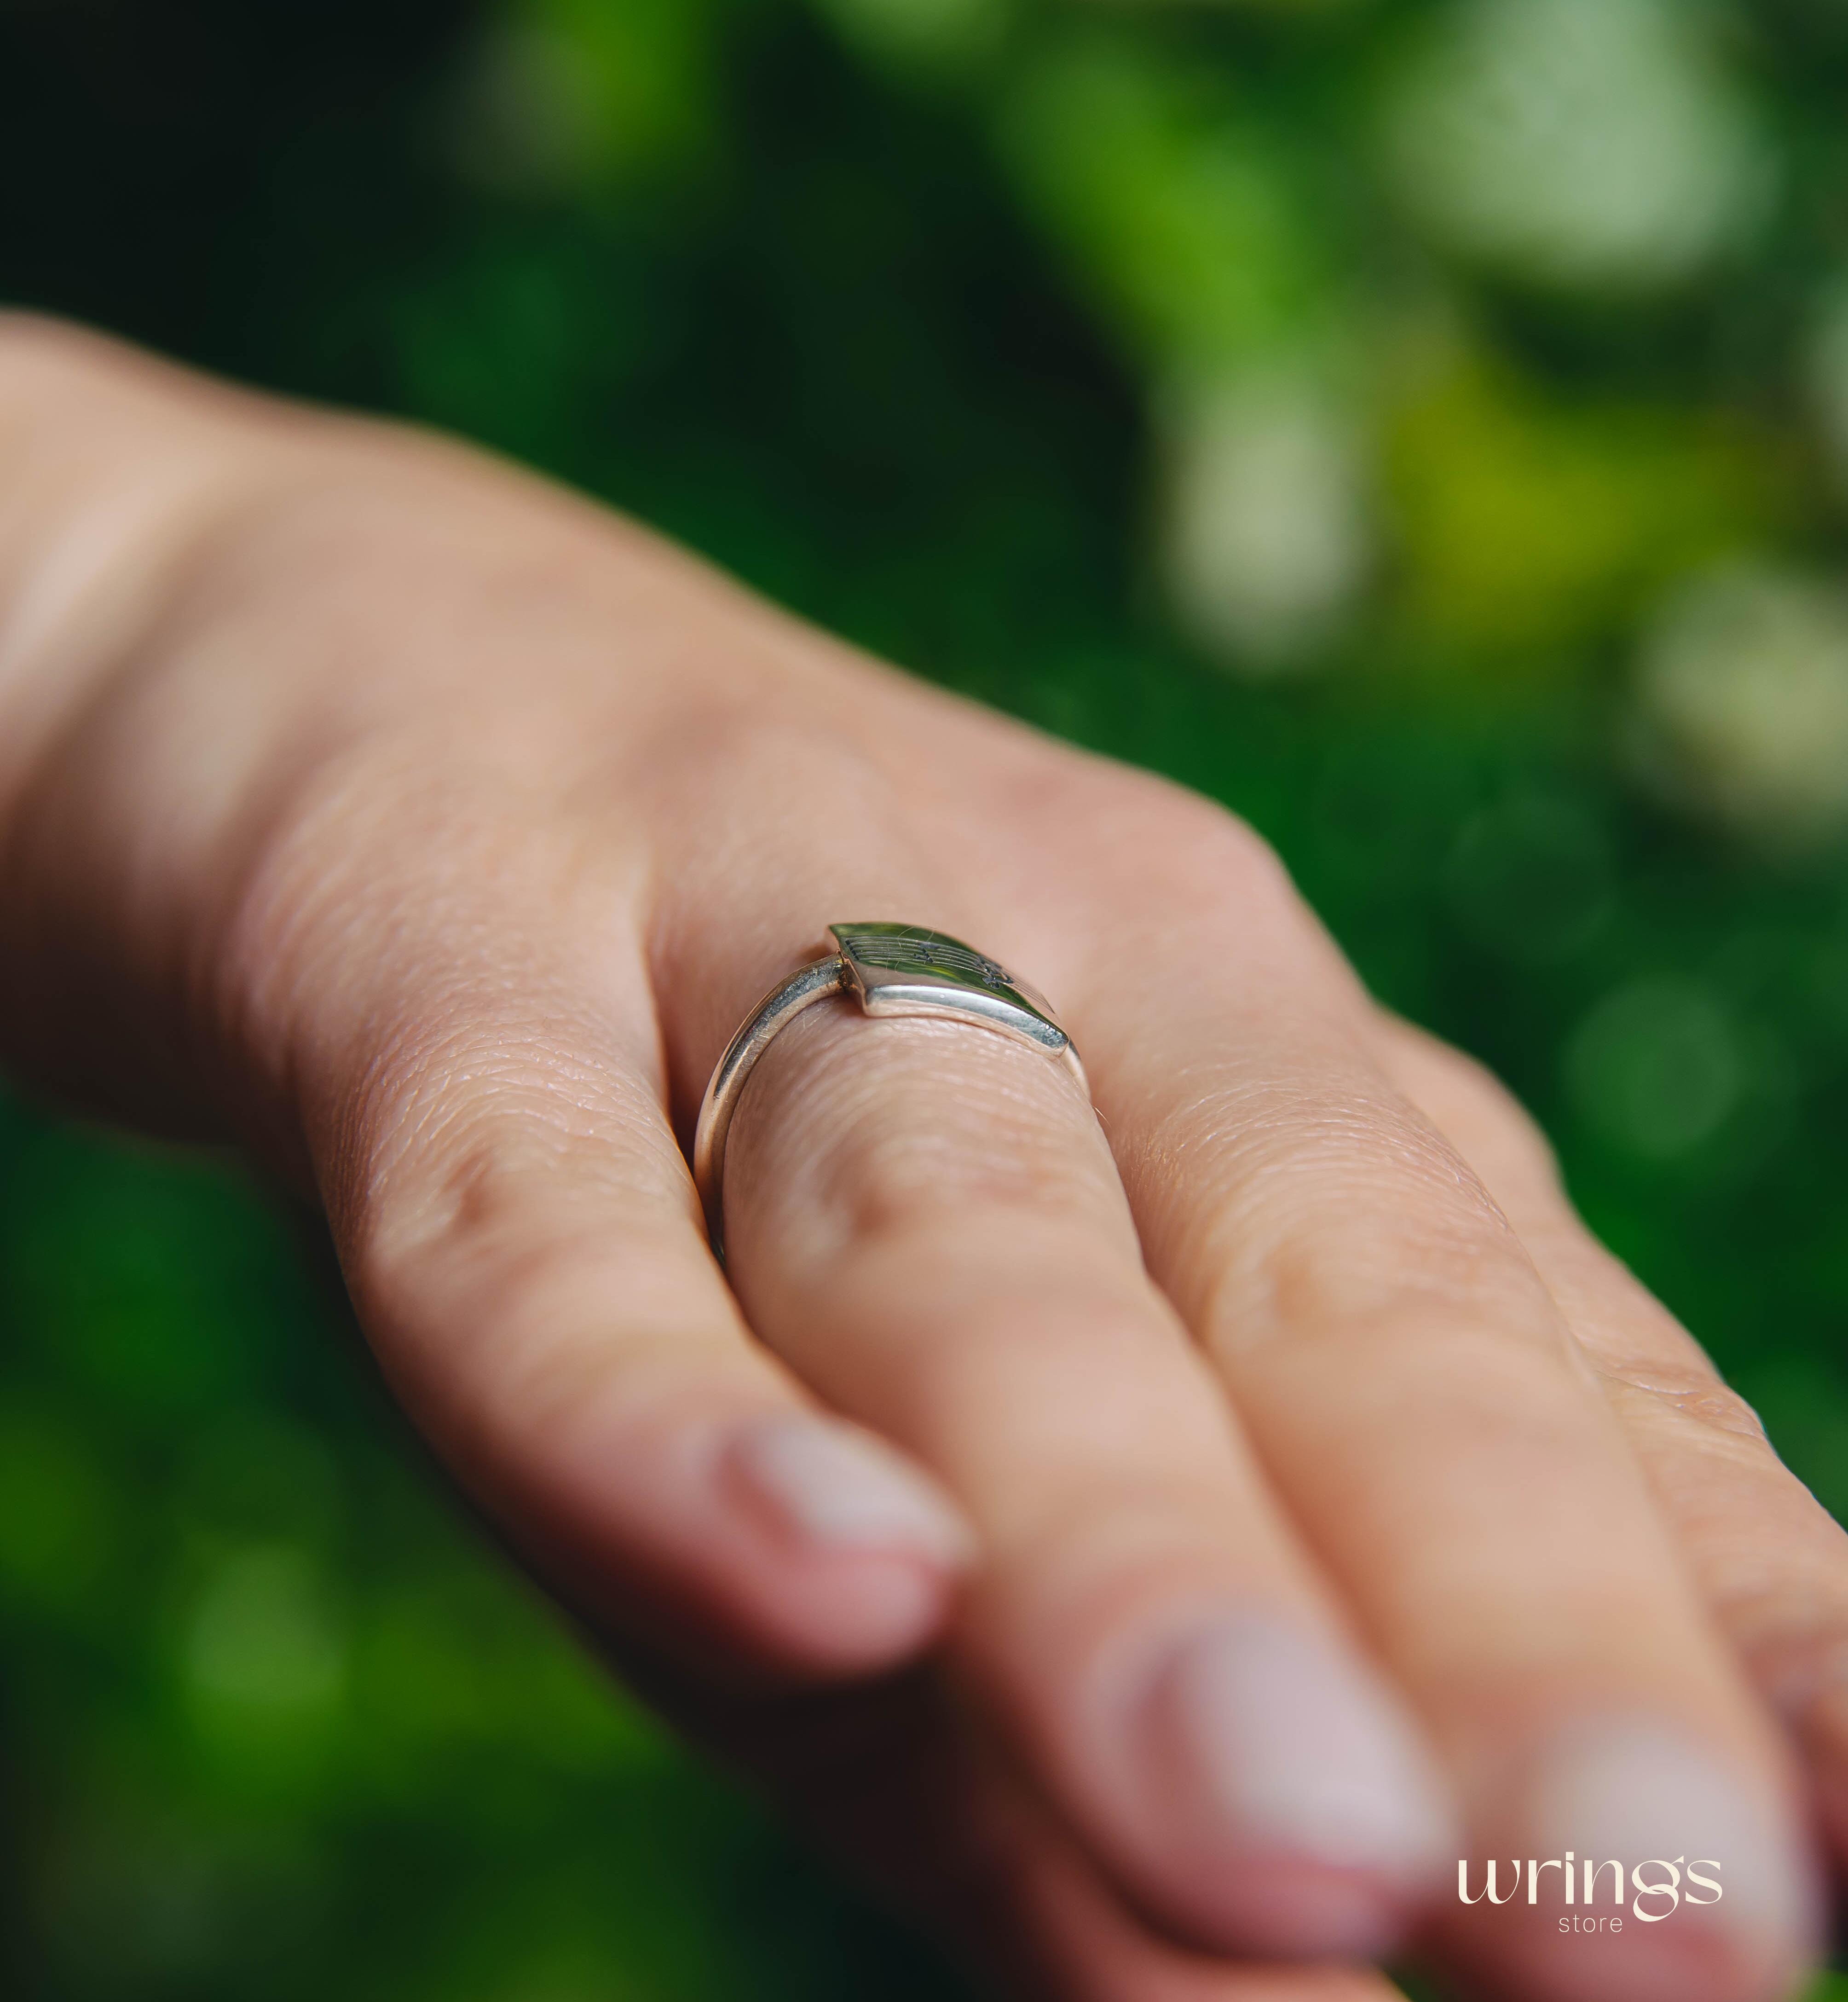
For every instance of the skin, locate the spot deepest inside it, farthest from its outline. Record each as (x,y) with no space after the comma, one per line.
(428,830)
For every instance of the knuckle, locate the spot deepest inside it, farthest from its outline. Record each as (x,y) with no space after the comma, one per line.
(502,1234)
(1208,852)
(1464,1096)
(474,1139)
(856,1131)
(711,756)
(1355,1217)
(1135,830)
(407,945)
(64,359)
(1684,1390)
(1791,1626)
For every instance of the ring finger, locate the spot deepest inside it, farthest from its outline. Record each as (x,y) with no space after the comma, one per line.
(925,1221)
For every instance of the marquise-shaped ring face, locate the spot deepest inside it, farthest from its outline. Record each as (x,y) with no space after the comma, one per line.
(906,969)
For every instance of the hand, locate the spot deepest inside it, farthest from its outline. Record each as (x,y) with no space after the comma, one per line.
(1143,1547)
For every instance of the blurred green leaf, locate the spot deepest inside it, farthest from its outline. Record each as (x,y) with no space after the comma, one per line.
(588,94)
(1178,210)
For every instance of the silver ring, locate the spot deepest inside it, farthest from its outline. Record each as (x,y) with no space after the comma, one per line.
(890,970)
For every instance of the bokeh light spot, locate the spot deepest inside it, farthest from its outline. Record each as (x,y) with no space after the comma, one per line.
(1595,144)
(1657,1067)
(1742,702)
(1531,876)
(1265,537)
(264,1653)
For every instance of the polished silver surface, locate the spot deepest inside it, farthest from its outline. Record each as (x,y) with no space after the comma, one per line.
(890,969)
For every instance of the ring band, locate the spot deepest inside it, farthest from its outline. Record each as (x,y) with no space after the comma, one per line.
(890,970)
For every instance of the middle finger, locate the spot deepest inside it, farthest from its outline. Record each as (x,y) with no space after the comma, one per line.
(1417,1402)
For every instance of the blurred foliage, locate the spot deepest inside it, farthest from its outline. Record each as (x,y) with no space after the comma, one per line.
(1421,423)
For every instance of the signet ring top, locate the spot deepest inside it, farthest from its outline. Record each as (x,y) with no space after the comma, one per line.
(889,970)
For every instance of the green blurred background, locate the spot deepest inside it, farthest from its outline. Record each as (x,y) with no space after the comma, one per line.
(1421,423)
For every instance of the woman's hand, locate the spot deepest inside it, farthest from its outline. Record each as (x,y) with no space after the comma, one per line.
(1136,1542)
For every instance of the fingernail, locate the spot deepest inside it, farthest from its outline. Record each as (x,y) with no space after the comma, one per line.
(1283,1751)
(1646,1793)
(1809,1687)
(834,1485)
(1822,1734)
